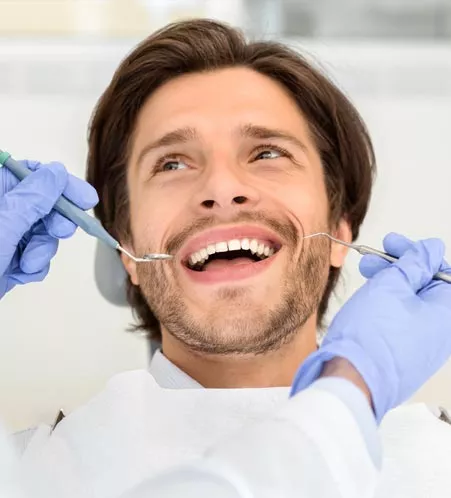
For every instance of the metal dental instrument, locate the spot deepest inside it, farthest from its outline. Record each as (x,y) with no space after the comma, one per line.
(369,250)
(72,212)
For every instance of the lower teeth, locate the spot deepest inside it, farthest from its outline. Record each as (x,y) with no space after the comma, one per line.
(201,267)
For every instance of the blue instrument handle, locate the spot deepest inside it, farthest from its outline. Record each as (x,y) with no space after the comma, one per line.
(65,207)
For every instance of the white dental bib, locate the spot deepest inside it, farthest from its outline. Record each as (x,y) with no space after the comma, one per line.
(134,429)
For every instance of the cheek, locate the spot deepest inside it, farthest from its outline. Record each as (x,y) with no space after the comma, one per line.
(307,204)
(149,217)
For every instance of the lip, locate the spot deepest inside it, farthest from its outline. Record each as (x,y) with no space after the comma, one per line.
(228,233)
(230,273)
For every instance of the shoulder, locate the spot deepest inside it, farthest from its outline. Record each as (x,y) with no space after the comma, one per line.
(416,441)
(407,418)
(416,426)
(21,439)
(116,392)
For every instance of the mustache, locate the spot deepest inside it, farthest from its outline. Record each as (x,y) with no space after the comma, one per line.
(286,229)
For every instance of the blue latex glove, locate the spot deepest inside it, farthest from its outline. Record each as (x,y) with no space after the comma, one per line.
(29,229)
(396,329)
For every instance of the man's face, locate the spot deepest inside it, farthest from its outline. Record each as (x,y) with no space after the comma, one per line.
(224,174)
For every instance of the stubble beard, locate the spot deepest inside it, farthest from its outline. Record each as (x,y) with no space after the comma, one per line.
(235,324)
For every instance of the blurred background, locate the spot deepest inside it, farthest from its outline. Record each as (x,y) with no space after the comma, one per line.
(60,340)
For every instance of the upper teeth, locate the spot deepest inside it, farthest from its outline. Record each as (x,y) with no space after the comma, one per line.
(254,246)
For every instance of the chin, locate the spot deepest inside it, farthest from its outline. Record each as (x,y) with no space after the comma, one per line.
(232,310)
(241,299)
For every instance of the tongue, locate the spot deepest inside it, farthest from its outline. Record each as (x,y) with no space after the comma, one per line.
(217,264)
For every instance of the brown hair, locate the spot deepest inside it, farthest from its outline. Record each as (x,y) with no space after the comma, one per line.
(203,45)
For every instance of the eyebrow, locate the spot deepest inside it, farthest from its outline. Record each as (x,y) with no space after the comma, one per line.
(178,136)
(264,133)
(188,133)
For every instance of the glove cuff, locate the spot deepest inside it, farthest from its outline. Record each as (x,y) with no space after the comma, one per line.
(380,380)
(310,370)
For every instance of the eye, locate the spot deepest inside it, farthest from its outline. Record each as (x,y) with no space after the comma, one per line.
(270,152)
(267,154)
(170,163)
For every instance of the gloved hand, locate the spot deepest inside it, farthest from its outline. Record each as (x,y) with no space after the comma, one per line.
(396,329)
(29,229)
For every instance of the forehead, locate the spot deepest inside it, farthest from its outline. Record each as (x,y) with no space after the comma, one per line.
(218,101)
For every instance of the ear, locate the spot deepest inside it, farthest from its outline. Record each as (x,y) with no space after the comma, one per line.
(129,264)
(338,252)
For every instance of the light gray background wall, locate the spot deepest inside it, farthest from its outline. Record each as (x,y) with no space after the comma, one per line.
(59,340)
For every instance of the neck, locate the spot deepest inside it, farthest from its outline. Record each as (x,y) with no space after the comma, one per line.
(273,369)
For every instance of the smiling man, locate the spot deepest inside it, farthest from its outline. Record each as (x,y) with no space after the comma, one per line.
(230,155)
(230,183)
(227,154)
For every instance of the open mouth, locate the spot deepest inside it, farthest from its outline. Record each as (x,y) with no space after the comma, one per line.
(230,253)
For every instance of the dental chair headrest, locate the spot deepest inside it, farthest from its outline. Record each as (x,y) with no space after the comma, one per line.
(110,275)
(111,278)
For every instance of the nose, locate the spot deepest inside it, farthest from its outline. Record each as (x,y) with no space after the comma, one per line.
(224,189)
